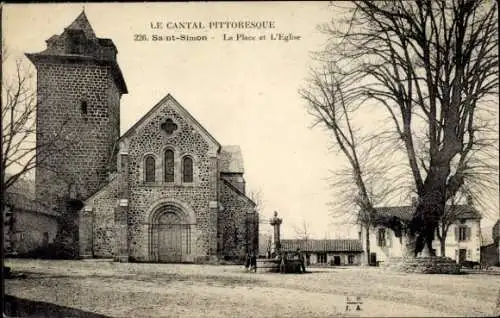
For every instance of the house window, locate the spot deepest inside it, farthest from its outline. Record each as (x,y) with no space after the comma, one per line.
(169,165)
(149,175)
(350,259)
(187,169)
(463,233)
(321,258)
(381,237)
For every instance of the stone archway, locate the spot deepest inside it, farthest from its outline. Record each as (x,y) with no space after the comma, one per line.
(170,234)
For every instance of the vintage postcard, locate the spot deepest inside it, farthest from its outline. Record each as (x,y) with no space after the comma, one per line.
(256,159)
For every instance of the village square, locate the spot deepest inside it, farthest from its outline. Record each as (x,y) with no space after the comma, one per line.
(376,196)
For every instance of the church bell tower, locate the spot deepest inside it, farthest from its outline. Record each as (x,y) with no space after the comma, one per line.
(79,86)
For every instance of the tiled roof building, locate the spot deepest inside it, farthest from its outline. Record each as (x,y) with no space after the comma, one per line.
(336,245)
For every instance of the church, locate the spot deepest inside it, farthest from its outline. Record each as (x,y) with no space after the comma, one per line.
(164,191)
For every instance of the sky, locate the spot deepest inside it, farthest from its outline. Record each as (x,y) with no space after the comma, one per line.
(243,92)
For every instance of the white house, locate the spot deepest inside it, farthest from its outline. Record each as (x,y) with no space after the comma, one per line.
(463,240)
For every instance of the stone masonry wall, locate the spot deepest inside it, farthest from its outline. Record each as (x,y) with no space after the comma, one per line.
(150,139)
(90,137)
(236,229)
(425,265)
(103,204)
(253,231)
(30,229)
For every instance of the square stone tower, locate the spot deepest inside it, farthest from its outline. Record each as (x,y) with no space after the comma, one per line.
(79,86)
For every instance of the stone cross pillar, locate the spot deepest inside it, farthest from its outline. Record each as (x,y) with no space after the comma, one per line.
(276,222)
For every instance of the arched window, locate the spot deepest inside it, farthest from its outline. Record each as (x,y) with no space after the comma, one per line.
(169,165)
(149,175)
(187,169)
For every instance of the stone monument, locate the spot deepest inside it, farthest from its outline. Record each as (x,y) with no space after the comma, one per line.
(276,223)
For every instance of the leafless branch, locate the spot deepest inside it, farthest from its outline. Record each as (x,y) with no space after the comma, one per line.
(433,66)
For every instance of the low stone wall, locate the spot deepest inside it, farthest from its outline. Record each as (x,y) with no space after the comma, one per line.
(268,265)
(273,266)
(425,265)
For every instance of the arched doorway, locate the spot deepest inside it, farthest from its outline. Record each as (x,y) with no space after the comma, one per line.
(170,235)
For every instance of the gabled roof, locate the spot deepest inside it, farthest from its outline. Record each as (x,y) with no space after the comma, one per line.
(406,212)
(82,23)
(231,159)
(178,107)
(339,245)
(235,189)
(112,183)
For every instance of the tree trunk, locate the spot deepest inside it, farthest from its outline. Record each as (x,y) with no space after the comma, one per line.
(443,245)
(429,211)
(367,231)
(408,245)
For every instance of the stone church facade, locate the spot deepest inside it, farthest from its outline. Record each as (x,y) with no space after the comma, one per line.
(164,191)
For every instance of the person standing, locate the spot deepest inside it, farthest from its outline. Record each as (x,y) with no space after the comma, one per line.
(283,263)
(300,256)
(253,262)
(247,261)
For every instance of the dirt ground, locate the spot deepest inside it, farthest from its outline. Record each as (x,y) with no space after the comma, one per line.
(177,290)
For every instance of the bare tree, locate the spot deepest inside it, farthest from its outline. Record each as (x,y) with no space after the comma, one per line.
(303,231)
(331,107)
(257,197)
(433,66)
(361,183)
(475,189)
(21,154)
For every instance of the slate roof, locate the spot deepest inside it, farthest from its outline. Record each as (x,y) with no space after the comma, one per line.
(406,212)
(96,49)
(339,245)
(18,201)
(231,159)
(106,42)
(235,189)
(83,24)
